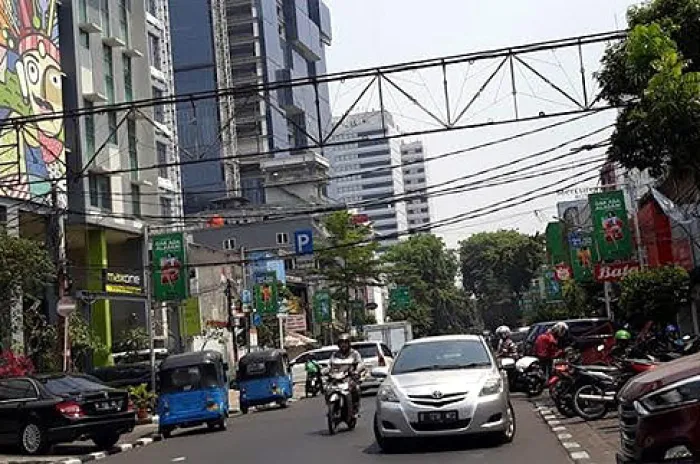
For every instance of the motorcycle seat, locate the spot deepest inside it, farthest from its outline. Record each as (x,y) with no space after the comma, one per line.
(606,369)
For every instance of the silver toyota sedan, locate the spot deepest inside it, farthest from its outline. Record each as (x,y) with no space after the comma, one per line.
(437,386)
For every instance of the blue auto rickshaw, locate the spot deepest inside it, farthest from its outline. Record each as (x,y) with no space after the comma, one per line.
(192,390)
(263,378)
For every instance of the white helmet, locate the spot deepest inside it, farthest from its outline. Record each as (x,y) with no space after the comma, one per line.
(503,331)
(560,329)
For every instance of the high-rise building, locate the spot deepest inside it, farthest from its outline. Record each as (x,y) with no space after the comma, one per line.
(272,41)
(415,183)
(116,51)
(206,127)
(367,174)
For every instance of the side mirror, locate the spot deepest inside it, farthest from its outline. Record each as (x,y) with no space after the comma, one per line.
(507,363)
(380,372)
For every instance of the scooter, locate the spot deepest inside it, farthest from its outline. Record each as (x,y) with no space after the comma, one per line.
(339,401)
(313,386)
(524,375)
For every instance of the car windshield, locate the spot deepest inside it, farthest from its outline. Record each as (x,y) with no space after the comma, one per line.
(71,385)
(368,350)
(441,355)
(323,355)
(183,379)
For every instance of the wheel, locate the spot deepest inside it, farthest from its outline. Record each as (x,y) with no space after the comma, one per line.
(331,422)
(562,401)
(219,425)
(352,423)
(165,432)
(32,439)
(509,433)
(535,385)
(106,441)
(244,409)
(387,445)
(282,403)
(587,409)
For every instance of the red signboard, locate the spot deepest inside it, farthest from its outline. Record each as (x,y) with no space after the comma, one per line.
(614,272)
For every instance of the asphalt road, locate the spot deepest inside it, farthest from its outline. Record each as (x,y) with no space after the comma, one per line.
(297,435)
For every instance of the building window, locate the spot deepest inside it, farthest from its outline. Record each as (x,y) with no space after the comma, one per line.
(166,207)
(158,111)
(109,72)
(229,244)
(151,6)
(128,81)
(282,238)
(154,50)
(124,20)
(100,192)
(133,150)
(104,15)
(162,157)
(83,11)
(85,40)
(113,128)
(89,129)
(136,200)
(290,264)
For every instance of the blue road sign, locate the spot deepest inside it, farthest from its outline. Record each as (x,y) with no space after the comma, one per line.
(304,242)
(246,297)
(257,319)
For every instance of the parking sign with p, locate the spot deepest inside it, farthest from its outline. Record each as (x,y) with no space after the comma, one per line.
(304,242)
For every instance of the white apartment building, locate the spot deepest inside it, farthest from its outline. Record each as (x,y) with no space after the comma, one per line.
(415,181)
(367,174)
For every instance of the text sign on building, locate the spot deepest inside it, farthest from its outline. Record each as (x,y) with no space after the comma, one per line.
(304,242)
(121,283)
(295,323)
(615,272)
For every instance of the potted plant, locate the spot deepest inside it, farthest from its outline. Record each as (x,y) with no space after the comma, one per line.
(143,400)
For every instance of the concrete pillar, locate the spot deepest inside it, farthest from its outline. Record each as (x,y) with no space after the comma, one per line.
(101,317)
(16,340)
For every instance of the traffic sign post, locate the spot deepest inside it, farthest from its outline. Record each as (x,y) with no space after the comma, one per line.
(304,242)
(322,306)
(400,297)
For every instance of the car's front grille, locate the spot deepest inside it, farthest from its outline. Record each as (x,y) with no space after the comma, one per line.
(460,424)
(437,402)
(628,428)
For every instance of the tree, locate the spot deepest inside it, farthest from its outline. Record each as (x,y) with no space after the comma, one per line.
(653,294)
(425,265)
(497,268)
(25,270)
(654,76)
(348,260)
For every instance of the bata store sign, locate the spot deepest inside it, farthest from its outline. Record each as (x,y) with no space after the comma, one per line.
(614,272)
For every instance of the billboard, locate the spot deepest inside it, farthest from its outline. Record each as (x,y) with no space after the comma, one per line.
(170,277)
(584,255)
(264,263)
(610,225)
(32,155)
(557,251)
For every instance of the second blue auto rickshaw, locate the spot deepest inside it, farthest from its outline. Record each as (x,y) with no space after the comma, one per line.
(192,390)
(263,378)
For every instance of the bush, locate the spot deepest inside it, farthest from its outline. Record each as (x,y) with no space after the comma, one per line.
(12,365)
(654,294)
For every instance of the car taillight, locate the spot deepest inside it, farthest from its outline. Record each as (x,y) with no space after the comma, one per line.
(382,361)
(70,409)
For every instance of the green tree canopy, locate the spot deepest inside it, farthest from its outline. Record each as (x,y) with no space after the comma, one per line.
(496,268)
(653,294)
(425,265)
(348,260)
(653,75)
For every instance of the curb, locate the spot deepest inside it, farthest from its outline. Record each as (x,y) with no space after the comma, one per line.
(566,440)
(140,443)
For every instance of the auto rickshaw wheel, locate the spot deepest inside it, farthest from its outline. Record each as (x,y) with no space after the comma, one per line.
(282,403)
(244,409)
(166,432)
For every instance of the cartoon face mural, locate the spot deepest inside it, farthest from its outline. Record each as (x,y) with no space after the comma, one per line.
(32,154)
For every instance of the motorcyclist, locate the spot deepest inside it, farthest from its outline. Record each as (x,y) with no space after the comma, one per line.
(357,367)
(623,342)
(506,346)
(673,339)
(313,370)
(547,345)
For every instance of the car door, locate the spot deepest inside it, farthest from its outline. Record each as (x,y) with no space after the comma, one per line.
(16,399)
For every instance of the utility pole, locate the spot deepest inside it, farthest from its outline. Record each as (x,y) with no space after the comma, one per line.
(246,307)
(148,302)
(231,317)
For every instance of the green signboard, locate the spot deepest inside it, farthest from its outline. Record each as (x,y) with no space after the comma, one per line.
(399,297)
(557,251)
(169,267)
(322,306)
(610,225)
(552,287)
(192,317)
(584,255)
(357,309)
(266,294)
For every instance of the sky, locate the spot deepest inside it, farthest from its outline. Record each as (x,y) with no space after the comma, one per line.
(371,33)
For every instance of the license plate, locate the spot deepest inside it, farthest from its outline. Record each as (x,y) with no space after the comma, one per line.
(108,406)
(438,417)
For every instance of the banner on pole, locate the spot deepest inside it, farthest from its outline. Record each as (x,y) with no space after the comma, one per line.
(583,256)
(169,267)
(610,225)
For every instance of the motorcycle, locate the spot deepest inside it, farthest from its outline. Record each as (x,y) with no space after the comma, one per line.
(313,386)
(561,387)
(524,375)
(598,393)
(339,401)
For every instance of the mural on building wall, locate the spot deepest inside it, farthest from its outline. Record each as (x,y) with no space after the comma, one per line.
(32,155)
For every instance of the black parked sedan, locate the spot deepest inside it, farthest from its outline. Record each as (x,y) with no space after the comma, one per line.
(39,411)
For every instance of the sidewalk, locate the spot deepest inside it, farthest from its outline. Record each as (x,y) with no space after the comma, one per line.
(594,442)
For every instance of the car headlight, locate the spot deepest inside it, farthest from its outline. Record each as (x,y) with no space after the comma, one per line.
(387,394)
(492,386)
(677,394)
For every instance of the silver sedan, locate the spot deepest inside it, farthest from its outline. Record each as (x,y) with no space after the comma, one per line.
(437,386)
